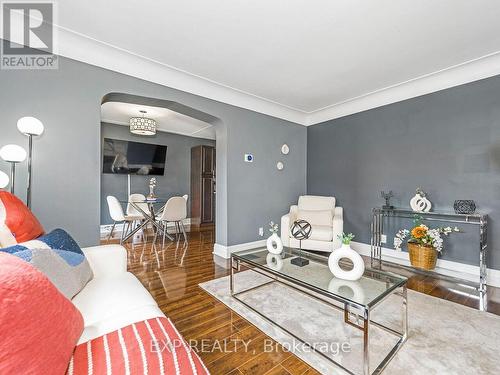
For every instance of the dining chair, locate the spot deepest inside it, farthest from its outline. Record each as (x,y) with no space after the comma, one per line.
(116,213)
(175,211)
(140,201)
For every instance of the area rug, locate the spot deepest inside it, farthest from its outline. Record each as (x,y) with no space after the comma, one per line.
(444,337)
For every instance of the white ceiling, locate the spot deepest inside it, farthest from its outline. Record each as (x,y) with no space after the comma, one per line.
(303,60)
(166,120)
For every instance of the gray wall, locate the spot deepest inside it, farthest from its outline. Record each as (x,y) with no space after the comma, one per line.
(67,157)
(175,181)
(447,142)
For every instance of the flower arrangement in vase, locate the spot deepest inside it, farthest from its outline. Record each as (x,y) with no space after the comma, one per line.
(346,238)
(152,184)
(424,243)
(273,243)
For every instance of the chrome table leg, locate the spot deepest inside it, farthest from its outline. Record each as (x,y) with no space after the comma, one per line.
(366,342)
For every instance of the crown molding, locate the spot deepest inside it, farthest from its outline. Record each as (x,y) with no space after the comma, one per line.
(77,46)
(470,71)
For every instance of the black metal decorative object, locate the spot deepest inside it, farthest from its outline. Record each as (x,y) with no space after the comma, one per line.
(464,206)
(387,197)
(301,230)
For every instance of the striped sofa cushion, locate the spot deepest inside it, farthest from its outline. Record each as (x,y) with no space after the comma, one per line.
(152,346)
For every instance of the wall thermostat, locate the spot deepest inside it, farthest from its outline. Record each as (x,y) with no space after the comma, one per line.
(249,158)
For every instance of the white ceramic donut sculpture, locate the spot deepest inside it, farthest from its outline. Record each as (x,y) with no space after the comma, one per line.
(345,251)
(420,204)
(274,261)
(274,244)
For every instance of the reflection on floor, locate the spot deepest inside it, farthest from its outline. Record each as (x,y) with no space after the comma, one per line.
(227,343)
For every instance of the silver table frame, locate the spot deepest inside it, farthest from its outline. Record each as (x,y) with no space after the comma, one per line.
(353,311)
(377,229)
(149,217)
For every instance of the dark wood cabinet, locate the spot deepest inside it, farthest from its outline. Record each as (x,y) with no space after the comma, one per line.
(202,185)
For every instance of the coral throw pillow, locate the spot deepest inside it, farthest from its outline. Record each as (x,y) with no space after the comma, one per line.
(152,346)
(39,326)
(17,222)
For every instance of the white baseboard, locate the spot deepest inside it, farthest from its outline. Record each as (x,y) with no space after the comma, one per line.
(225,251)
(444,267)
(106,228)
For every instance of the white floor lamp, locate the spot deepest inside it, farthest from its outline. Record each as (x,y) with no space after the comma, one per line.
(13,154)
(29,126)
(4,180)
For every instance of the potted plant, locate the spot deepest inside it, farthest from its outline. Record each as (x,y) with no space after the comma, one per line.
(346,239)
(424,243)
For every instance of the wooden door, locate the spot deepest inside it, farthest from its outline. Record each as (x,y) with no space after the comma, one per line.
(208,159)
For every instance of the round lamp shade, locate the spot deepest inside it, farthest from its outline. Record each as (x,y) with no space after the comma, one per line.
(142,126)
(30,126)
(12,153)
(4,180)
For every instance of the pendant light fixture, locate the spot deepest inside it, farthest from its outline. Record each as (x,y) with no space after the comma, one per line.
(142,125)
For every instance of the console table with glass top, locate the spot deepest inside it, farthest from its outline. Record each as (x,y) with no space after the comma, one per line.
(479,220)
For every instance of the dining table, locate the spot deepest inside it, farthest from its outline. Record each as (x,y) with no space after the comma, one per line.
(155,206)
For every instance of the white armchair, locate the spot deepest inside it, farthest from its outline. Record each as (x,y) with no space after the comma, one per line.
(326,221)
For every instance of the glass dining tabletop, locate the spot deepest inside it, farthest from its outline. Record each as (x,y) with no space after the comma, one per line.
(372,287)
(149,201)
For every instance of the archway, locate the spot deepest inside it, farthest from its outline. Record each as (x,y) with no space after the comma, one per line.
(221,154)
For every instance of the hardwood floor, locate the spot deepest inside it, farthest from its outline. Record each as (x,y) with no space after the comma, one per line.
(226,342)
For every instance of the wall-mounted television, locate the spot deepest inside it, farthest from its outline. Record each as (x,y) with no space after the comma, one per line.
(127,157)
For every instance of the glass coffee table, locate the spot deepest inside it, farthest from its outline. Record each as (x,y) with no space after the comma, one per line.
(355,298)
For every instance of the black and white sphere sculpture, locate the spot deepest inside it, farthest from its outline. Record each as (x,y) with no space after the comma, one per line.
(301,230)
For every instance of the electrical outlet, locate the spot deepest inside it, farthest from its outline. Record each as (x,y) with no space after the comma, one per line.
(261,231)
(383,238)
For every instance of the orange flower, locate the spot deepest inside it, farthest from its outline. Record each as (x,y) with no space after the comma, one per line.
(418,232)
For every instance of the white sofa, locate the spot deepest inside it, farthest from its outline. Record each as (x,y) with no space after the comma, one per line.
(114,298)
(326,221)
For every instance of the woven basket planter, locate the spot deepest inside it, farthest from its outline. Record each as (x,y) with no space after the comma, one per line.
(424,257)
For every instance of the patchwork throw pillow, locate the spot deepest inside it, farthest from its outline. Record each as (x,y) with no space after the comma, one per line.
(152,346)
(17,222)
(39,326)
(59,257)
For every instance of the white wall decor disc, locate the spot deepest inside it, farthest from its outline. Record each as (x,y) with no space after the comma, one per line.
(274,261)
(285,149)
(280,166)
(274,244)
(345,251)
(419,203)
